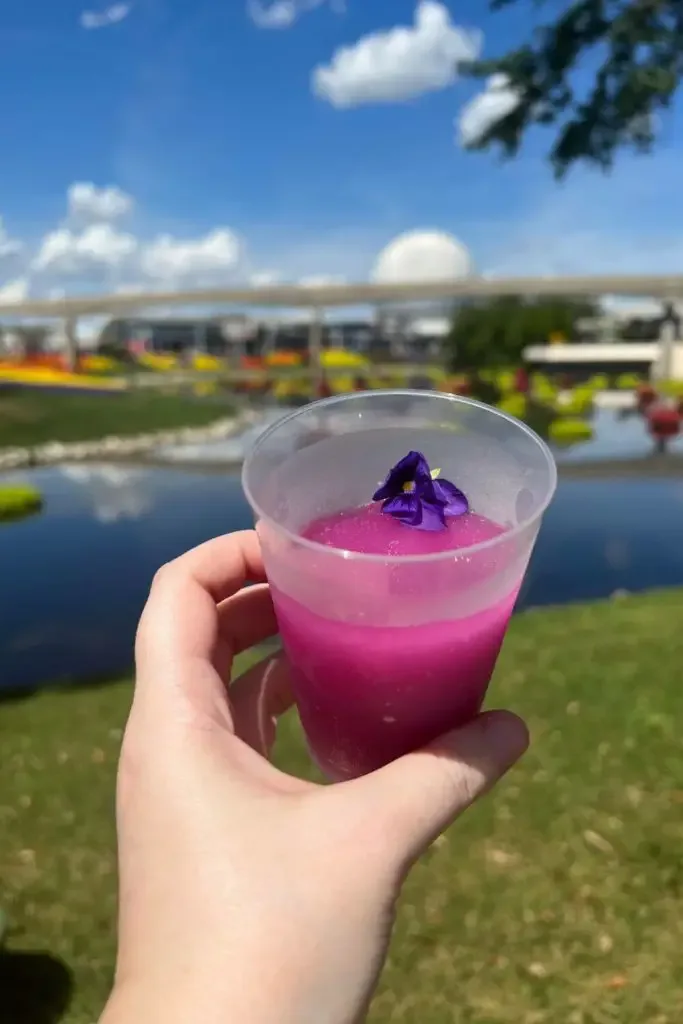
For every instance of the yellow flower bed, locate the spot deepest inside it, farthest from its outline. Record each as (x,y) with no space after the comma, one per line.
(291,388)
(98,364)
(205,363)
(157,361)
(44,376)
(340,358)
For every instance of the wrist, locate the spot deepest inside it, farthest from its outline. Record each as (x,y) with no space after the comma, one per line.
(173,1003)
(179,1001)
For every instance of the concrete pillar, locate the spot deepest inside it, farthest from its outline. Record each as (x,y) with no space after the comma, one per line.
(668,336)
(315,345)
(71,343)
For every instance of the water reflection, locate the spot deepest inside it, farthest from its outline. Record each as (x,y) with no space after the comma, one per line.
(616,437)
(116,492)
(74,579)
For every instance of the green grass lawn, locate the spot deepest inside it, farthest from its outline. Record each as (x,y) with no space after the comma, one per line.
(36,417)
(558,900)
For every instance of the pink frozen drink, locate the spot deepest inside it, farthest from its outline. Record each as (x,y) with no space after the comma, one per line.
(367,694)
(393,603)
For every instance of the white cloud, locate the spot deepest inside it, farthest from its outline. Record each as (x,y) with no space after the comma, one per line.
(87,202)
(8,246)
(14,291)
(108,16)
(400,63)
(99,247)
(483,111)
(281,14)
(192,260)
(265,278)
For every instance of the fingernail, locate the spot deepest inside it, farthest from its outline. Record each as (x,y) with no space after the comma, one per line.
(505,733)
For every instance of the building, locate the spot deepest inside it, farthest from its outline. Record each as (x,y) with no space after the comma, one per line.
(216,335)
(24,341)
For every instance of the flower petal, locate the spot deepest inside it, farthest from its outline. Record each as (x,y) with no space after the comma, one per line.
(425,489)
(413,467)
(432,517)
(454,501)
(405,507)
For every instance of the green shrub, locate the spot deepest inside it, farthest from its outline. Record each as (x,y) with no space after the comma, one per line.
(543,388)
(505,381)
(18,500)
(600,382)
(672,388)
(514,405)
(578,403)
(569,429)
(628,381)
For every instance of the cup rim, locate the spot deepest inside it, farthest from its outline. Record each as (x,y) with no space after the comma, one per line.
(347,555)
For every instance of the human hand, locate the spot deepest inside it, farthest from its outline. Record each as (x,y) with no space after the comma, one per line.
(247,895)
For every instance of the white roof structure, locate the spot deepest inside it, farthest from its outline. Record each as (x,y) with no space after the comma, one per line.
(422,256)
(431,327)
(624,309)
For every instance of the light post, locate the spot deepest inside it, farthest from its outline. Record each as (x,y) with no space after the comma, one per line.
(315,345)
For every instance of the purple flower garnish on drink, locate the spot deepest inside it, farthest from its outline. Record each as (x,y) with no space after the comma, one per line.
(413,494)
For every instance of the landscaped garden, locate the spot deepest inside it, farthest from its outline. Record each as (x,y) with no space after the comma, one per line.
(558,899)
(32,416)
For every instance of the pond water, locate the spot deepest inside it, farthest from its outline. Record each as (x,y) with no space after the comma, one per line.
(74,579)
(616,437)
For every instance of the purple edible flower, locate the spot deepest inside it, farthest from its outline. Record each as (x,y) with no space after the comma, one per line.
(412,494)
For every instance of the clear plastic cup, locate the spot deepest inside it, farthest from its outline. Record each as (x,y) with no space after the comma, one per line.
(390,651)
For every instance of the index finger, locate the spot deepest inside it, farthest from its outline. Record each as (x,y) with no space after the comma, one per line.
(180,620)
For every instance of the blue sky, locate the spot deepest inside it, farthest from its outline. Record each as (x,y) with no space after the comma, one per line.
(217,145)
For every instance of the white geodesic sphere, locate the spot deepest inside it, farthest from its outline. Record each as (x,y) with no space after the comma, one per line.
(422,256)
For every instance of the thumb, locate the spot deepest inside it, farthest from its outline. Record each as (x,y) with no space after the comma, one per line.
(415,798)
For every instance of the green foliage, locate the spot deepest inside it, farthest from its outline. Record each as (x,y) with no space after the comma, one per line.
(488,335)
(505,381)
(18,500)
(671,388)
(632,51)
(542,388)
(628,381)
(569,430)
(514,405)
(578,403)
(30,417)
